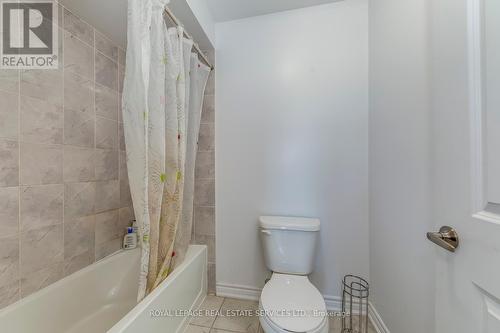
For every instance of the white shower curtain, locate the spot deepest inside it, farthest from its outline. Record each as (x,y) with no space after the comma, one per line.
(161,106)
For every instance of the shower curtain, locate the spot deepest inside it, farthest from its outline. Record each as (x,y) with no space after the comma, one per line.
(161,106)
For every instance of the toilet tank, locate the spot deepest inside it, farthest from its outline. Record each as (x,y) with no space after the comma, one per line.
(289,243)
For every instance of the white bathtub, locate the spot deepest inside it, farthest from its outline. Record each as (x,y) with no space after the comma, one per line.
(102,298)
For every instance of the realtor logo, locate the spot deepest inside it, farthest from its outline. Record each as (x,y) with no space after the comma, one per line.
(29,34)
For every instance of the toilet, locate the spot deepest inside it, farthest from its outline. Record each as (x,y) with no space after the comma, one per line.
(289,301)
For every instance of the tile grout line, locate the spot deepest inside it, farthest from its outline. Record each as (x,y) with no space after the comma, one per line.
(19,180)
(218,313)
(63,137)
(95,141)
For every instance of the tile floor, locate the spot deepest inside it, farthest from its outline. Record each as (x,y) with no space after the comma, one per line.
(240,324)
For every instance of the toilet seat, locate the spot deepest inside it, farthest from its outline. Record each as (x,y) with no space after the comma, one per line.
(291,303)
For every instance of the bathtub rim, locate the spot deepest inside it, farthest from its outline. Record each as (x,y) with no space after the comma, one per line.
(142,305)
(73,276)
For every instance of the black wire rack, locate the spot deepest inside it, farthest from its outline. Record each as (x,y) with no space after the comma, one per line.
(355,292)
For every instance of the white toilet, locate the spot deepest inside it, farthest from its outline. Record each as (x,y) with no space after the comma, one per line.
(289,302)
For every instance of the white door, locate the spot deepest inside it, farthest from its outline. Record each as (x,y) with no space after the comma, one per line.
(465,67)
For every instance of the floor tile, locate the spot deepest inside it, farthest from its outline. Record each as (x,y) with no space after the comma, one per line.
(237,321)
(335,324)
(197,329)
(210,305)
(232,318)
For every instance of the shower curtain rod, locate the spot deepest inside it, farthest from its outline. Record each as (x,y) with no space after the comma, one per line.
(198,50)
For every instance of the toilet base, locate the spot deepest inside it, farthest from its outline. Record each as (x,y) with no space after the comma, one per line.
(269,327)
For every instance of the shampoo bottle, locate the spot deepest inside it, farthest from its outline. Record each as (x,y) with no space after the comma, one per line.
(130,239)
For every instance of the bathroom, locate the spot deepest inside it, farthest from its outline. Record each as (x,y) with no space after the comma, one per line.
(218,166)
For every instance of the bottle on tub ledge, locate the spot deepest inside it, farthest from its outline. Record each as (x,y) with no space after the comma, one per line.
(130,239)
(136,228)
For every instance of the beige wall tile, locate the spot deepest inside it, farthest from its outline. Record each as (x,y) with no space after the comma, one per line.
(204,193)
(120,111)
(204,218)
(78,28)
(105,249)
(9,294)
(43,84)
(41,121)
(78,93)
(123,166)
(107,195)
(78,262)
(106,133)
(107,227)
(78,56)
(106,46)
(205,165)
(122,58)
(9,211)
(206,140)
(78,164)
(126,216)
(41,164)
(9,260)
(106,71)
(121,79)
(208,111)
(41,248)
(9,80)
(41,206)
(79,236)
(211,278)
(125,195)
(79,117)
(9,163)
(79,128)
(79,199)
(121,136)
(209,241)
(210,88)
(106,164)
(106,102)
(9,111)
(41,279)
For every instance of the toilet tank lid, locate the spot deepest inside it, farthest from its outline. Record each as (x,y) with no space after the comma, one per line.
(289,223)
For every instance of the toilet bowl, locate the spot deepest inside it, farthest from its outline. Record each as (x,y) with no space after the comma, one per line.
(289,302)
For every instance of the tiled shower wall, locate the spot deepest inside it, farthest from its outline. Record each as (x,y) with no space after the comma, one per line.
(204,203)
(64,194)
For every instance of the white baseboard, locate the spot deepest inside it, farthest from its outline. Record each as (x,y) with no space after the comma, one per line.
(376,320)
(238,292)
(333,303)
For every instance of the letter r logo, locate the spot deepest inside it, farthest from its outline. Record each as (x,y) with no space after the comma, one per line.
(28,28)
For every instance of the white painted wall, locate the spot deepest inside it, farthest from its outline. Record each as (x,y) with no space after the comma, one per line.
(292,137)
(401,259)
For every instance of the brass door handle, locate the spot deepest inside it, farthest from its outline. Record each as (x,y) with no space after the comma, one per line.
(447,238)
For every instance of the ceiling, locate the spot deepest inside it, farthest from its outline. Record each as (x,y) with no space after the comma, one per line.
(227,10)
(110,16)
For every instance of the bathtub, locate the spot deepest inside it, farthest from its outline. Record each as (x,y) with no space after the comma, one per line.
(102,298)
